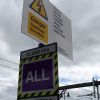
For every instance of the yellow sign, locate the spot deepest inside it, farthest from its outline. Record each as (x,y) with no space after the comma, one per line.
(37,28)
(38,6)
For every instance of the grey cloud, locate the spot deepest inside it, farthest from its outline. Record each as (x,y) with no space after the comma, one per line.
(16,40)
(8,84)
(8,93)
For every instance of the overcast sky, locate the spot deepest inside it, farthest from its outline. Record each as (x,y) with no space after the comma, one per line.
(85,17)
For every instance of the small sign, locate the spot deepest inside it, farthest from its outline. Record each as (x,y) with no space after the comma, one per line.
(38,6)
(37,28)
(38,74)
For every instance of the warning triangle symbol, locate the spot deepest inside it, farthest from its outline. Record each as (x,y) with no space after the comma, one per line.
(38,6)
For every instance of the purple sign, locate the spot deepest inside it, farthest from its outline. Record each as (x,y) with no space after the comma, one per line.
(37,75)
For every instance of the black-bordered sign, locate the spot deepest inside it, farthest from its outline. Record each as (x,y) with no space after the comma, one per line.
(38,74)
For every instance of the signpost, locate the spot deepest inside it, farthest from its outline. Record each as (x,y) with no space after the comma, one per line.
(38,74)
(45,23)
(38,71)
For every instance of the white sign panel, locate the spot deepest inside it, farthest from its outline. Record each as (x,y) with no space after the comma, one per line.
(45,23)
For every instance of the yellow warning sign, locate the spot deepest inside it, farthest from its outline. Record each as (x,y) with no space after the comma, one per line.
(38,6)
(37,28)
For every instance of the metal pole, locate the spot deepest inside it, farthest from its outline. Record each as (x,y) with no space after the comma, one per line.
(64,95)
(97,92)
(94,87)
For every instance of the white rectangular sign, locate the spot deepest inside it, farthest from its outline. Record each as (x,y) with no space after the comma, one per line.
(45,23)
